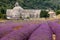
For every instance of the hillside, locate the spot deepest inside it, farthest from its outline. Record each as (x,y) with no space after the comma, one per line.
(30,4)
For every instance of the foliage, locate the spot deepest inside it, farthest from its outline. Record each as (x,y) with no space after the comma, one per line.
(29,4)
(57,12)
(2,16)
(28,17)
(44,14)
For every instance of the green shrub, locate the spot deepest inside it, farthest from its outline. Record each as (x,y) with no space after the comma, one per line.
(2,16)
(57,12)
(27,17)
(44,14)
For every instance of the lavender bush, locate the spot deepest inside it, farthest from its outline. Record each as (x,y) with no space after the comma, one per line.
(55,27)
(42,33)
(21,34)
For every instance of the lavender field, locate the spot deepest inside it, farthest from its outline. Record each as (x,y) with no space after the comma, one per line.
(30,30)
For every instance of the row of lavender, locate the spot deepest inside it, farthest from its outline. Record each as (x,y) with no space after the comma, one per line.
(29,30)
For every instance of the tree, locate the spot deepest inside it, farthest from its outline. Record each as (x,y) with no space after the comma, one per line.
(44,14)
(57,12)
(3,10)
(30,4)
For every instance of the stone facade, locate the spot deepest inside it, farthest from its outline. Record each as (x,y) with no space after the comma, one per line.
(18,12)
(52,14)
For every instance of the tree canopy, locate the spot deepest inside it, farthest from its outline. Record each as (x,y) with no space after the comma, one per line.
(30,4)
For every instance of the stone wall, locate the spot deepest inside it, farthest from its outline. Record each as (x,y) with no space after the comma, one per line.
(32,12)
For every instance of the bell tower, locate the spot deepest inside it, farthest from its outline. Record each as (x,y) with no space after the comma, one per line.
(16,4)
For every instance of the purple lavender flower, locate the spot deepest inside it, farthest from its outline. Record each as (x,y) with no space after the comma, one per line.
(23,33)
(55,27)
(42,33)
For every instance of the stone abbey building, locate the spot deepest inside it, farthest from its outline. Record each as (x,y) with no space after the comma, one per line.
(18,12)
